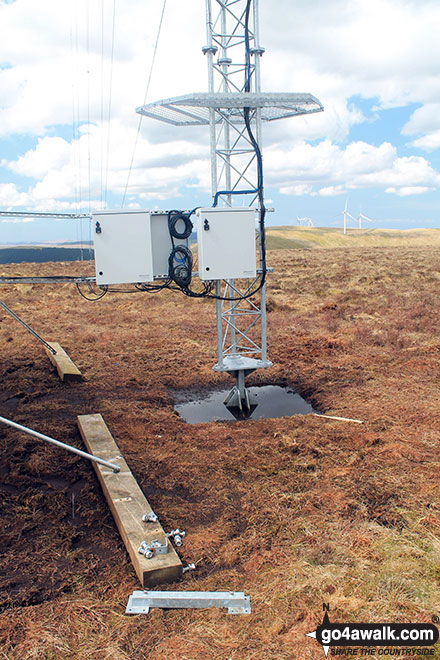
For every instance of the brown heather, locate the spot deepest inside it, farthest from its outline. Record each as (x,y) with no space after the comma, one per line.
(293,511)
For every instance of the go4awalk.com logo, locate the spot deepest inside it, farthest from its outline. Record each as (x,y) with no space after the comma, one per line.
(361,639)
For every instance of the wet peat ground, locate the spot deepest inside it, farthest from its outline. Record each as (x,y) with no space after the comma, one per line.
(294,511)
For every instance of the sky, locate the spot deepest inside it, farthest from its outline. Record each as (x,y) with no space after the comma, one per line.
(71,78)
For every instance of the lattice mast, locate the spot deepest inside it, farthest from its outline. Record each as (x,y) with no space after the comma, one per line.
(241,324)
(234,109)
(232,153)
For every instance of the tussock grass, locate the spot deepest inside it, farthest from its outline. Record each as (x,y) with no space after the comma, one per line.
(296,238)
(293,511)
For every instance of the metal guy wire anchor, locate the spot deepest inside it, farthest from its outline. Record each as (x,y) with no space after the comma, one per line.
(190,567)
(150,517)
(177,536)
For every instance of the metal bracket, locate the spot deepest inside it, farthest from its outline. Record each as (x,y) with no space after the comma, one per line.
(209,49)
(140,602)
(155,547)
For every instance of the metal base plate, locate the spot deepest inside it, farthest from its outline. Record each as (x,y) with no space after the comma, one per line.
(140,602)
(233,363)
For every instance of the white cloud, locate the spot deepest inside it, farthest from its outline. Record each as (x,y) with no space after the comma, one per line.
(425,122)
(327,169)
(71,171)
(333,50)
(331,191)
(405,191)
(10,196)
(380,48)
(50,153)
(297,189)
(62,174)
(428,142)
(59,73)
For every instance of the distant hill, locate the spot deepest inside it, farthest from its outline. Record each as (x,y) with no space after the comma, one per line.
(292,238)
(42,254)
(329,237)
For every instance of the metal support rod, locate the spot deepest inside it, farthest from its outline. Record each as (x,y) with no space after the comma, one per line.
(55,279)
(34,214)
(218,310)
(28,328)
(232,328)
(57,443)
(212,129)
(263,323)
(240,385)
(226,129)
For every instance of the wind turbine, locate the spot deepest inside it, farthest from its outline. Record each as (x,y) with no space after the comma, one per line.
(346,215)
(307,221)
(361,217)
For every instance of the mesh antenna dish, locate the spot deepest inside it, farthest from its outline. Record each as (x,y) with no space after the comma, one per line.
(193,109)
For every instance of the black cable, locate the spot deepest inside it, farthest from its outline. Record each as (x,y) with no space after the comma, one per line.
(180,265)
(96,296)
(152,288)
(178,216)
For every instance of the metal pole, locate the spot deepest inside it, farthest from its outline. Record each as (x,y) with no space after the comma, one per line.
(209,51)
(57,443)
(257,82)
(218,310)
(33,214)
(226,129)
(232,319)
(28,328)
(263,323)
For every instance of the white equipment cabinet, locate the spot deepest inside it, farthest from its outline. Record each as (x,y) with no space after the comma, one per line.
(132,246)
(226,243)
(123,250)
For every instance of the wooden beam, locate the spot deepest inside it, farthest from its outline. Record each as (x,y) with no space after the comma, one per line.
(128,504)
(67,370)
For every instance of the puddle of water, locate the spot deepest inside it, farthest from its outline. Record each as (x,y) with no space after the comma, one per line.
(268,401)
